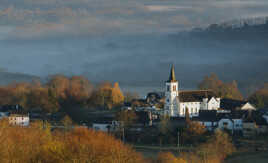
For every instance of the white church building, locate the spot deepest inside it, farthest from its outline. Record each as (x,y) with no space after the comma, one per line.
(178,101)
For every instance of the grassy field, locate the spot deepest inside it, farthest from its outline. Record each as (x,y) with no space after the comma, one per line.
(252,157)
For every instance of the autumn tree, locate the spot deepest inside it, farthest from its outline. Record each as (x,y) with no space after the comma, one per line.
(223,90)
(127,117)
(6,96)
(66,121)
(79,89)
(19,93)
(107,96)
(59,84)
(260,97)
(42,98)
(194,132)
(38,144)
(117,95)
(102,96)
(218,146)
(164,128)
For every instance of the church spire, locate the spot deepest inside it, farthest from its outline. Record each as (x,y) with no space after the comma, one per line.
(172,75)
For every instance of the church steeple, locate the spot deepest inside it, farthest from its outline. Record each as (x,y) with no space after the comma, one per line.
(172,77)
(171,94)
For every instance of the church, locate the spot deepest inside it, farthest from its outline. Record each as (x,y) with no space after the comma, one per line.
(178,101)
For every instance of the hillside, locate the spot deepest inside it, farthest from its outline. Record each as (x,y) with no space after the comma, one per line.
(240,45)
(9,77)
(233,50)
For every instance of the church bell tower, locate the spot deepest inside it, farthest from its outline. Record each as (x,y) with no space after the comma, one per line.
(171,93)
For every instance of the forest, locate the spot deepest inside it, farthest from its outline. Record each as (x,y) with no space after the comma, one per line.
(59,92)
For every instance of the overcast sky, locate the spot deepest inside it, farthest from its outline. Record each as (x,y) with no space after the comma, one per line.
(34,19)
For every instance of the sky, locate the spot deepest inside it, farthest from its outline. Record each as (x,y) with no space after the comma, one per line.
(40,19)
(110,39)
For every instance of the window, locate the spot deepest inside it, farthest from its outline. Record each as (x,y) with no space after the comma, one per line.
(168,88)
(174,88)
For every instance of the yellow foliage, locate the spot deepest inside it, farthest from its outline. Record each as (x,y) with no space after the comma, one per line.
(35,144)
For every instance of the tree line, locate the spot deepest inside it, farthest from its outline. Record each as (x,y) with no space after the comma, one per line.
(230,90)
(222,89)
(60,92)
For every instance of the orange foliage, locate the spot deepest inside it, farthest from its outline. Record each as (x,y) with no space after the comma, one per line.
(61,92)
(35,144)
(224,90)
(195,129)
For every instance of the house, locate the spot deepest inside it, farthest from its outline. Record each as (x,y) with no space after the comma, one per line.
(208,118)
(19,119)
(232,122)
(105,126)
(105,123)
(177,101)
(231,104)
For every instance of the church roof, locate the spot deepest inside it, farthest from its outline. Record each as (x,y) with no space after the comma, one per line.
(172,77)
(195,96)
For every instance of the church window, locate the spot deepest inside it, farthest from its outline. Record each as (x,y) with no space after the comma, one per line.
(174,88)
(168,88)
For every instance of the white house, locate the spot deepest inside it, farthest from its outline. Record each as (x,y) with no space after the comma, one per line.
(178,101)
(235,124)
(19,119)
(105,126)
